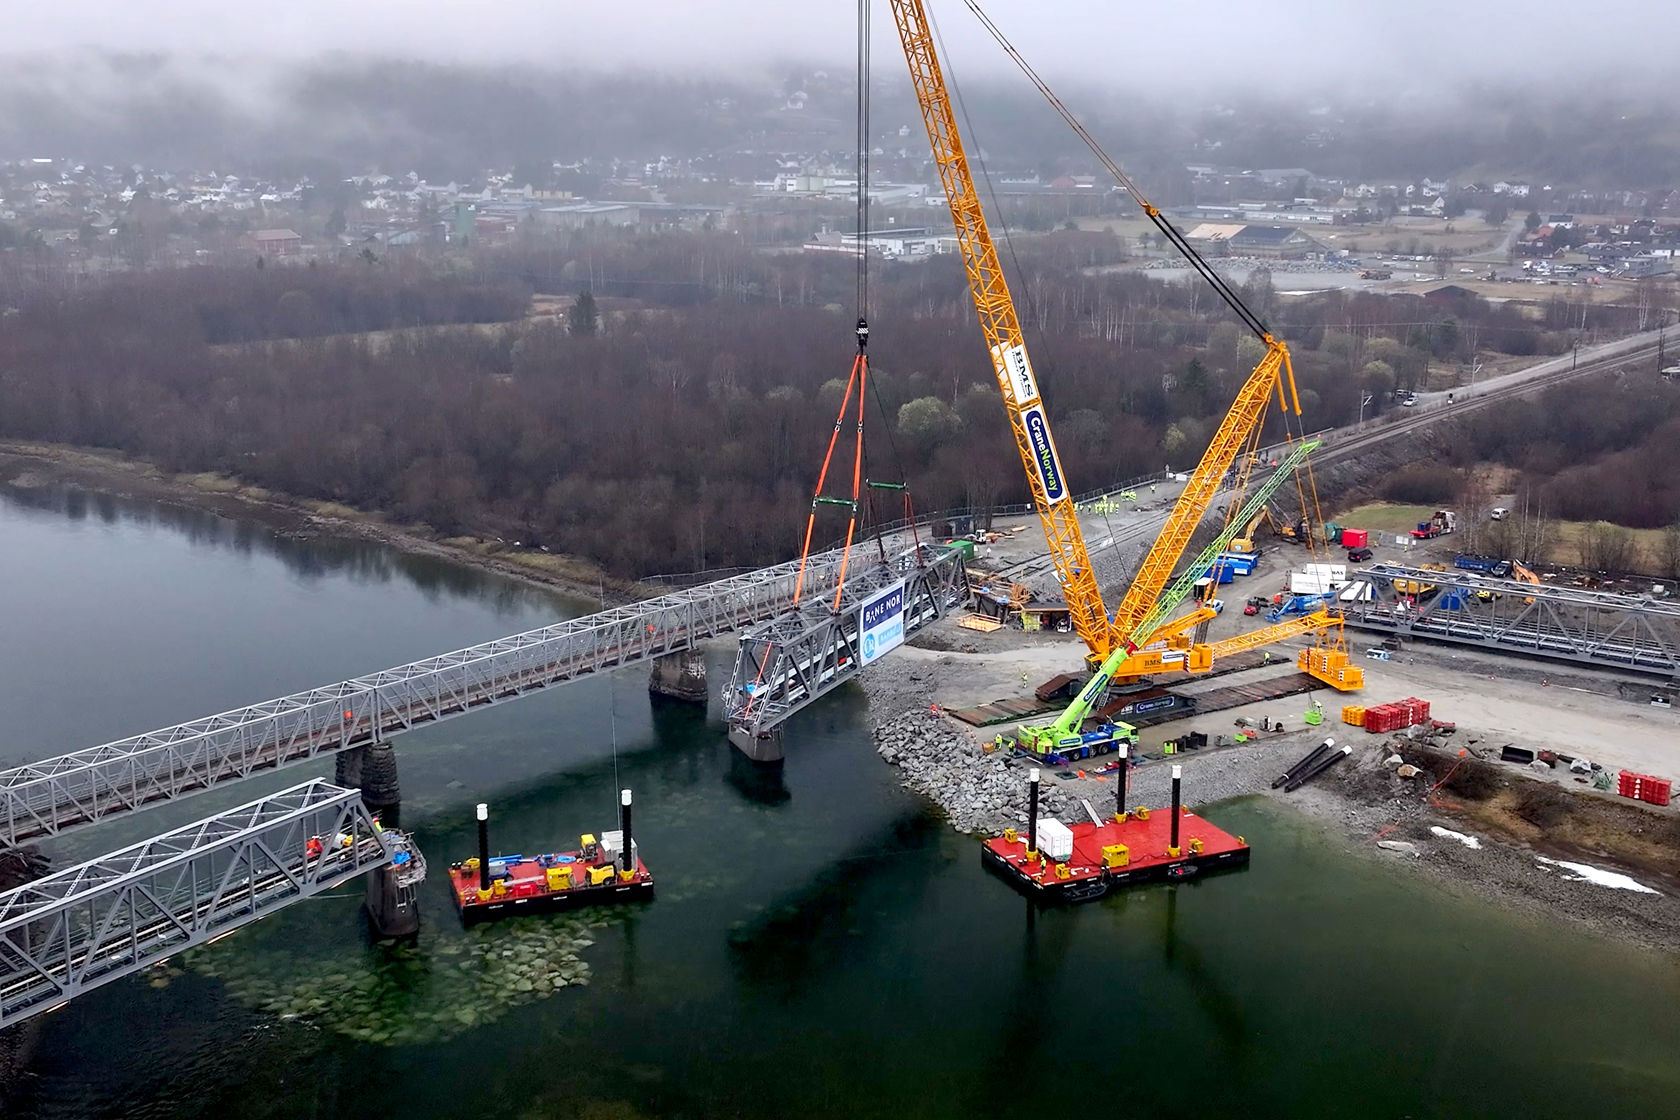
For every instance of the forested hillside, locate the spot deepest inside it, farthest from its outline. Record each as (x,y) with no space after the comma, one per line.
(683,427)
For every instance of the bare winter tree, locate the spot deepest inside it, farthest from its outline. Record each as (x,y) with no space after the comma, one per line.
(1668,557)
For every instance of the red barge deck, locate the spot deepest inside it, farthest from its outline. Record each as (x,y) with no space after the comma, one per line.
(1115,854)
(533,884)
(599,873)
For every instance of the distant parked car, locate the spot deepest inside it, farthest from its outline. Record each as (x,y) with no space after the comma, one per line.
(1358,555)
(1499,513)
(1377,653)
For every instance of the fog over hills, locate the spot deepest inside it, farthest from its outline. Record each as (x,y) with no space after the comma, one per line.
(342,112)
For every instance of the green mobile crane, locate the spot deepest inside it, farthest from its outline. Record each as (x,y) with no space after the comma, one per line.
(1065,740)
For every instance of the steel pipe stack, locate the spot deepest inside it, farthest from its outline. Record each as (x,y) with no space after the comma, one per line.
(1316,769)
(1313,758)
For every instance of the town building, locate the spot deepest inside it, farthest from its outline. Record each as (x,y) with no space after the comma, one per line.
(277,242)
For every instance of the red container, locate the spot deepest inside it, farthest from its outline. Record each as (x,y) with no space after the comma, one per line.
(1356,538)
(1417,711)
(1644,787)
(1384,718)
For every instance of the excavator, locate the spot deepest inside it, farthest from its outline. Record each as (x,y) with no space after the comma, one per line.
(1519,570)
(1116,642)
(1294,533)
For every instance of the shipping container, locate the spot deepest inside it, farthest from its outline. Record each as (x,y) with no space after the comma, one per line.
(1355,538)
(1055,839)
(1310,583)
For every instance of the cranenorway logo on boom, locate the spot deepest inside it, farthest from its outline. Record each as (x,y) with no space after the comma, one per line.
(1044,452)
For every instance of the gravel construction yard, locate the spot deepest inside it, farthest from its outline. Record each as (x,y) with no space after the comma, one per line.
(1518,819)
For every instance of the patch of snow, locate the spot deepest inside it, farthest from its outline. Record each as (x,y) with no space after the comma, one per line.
(1586,873)
(1467,841)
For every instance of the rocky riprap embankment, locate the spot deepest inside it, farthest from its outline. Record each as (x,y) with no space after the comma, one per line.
(979,792)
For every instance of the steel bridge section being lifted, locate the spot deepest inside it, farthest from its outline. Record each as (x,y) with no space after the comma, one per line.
(1628,632)
(93,923)
(46,798)
(794,659)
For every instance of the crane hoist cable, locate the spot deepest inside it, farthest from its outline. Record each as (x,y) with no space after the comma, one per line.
(858,380)
(863,79)
(1167,229)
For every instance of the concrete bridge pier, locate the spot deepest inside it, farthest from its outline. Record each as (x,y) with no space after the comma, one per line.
(764,747)
(371,768)
(347,767)
(393,906)
(681,676)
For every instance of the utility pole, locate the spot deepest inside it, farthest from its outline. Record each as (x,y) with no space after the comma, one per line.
(1575,357)
(1364,399)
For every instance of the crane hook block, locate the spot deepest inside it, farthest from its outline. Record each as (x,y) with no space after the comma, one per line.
(862,333)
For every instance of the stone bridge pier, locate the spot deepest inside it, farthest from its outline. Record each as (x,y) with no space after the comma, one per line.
(680,676)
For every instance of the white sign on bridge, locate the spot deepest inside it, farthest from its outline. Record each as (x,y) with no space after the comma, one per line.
(881,622)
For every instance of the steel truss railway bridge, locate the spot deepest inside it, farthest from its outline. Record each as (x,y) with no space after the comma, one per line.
(104,919)
(1627,632)
(99,921)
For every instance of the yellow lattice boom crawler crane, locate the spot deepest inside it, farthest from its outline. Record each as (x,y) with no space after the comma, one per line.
(1237,432)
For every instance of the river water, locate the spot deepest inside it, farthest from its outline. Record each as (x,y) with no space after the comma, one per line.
(820,944)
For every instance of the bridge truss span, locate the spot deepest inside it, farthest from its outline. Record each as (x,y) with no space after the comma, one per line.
(101,920)
(1628,632)
(48,797)
(789,662)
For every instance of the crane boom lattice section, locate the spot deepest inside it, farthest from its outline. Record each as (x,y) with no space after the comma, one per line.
(1278,632)
(1001,326)
(1234,431)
